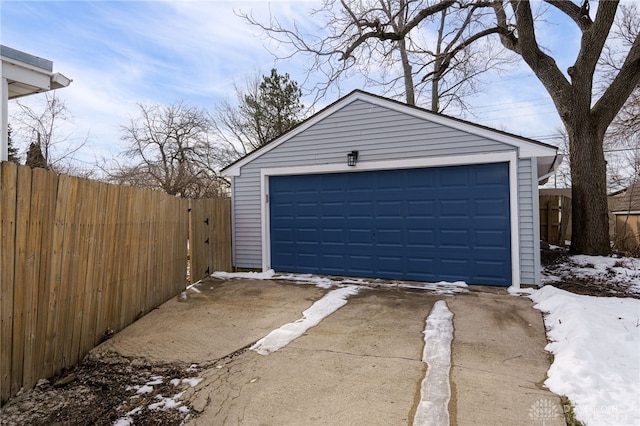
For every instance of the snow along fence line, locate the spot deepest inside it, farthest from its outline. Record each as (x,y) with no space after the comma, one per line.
(81,259)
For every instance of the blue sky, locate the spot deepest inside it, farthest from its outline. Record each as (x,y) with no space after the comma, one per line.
(120,53)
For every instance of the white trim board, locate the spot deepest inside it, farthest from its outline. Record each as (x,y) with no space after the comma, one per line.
(502,157)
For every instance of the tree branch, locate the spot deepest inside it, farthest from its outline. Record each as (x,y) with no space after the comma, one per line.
(627,80)
(382,35)
(543,65)
(594,38)
(579,15)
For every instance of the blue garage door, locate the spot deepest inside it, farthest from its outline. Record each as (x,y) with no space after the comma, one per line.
(428,224)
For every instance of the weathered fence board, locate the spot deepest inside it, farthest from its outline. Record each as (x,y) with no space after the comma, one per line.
(81,258)
(9,181)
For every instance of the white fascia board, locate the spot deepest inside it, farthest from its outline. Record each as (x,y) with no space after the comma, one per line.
(25,74)
(525,149)
(626,212)
(500,157)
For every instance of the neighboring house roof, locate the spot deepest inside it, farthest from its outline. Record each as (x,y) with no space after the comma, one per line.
(547,154)
(627,200)
(564,192)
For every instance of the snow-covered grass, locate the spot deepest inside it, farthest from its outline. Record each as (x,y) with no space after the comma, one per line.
(595,341)
(619,271)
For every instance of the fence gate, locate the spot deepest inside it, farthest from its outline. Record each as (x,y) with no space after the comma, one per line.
(209,237)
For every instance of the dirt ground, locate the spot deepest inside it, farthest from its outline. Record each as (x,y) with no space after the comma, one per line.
(100,391)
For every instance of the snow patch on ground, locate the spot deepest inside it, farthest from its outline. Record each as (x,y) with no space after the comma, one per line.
(325,282)
(520,291)
(246,275)
(162,403)
(621,271)
(435,391)
(322,308)
(596,347)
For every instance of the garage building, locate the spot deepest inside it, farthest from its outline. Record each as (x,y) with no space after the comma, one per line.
(372,187)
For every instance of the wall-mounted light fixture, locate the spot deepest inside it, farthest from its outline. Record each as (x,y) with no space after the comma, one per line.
(352,158)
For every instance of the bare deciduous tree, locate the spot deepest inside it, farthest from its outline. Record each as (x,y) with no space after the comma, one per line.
(169,149)
(585,116)
(41,123)
(442,46)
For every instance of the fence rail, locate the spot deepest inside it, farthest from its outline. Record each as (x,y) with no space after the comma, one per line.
(79,258)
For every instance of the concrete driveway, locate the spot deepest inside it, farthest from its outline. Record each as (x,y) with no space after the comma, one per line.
(361,365)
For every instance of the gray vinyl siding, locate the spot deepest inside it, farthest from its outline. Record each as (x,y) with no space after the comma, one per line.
(378,134)
(528,223)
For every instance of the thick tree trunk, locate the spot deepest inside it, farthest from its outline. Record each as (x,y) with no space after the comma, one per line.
(589,209)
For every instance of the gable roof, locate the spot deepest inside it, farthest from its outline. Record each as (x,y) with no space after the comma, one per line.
(526,147)
(628,199)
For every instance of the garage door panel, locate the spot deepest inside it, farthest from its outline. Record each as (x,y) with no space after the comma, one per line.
(490,208)
(490,239)
(432,224)
(490,176)
(361,264)
(420,208)
(452,178)
(332,210)
(455,208)
(359,209)
(332,236)
(389,209)
(420,238)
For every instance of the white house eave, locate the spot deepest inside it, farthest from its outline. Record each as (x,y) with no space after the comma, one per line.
(23,74)
(547,167)
(525,149)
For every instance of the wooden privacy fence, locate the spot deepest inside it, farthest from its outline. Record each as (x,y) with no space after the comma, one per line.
(627,232)
(80,259)
(555,219)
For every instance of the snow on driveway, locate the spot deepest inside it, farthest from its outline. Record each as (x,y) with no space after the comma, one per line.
(435,391)
(322,308)
(596,347)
